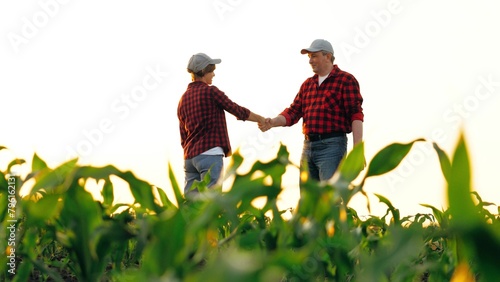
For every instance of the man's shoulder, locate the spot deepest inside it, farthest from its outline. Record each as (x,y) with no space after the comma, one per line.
(342,74)
(337,71)
(311,79)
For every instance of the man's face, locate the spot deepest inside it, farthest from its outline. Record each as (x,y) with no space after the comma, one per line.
(319,62)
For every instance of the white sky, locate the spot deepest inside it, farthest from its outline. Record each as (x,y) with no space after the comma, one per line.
(102,79)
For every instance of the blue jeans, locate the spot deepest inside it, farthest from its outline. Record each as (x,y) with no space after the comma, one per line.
(196,168)
(323,157)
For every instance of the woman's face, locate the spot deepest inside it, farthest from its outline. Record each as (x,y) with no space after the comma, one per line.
(207,78)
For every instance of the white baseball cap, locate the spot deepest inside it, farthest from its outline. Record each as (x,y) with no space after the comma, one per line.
(199,61)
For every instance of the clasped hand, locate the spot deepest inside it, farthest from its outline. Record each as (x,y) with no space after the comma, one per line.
(265,124)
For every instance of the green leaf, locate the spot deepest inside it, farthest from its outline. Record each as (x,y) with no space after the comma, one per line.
(246,189)
(142,192)
(44,209)
(201,186)
(352,166)
(175,186)
(389,158)
(15,162)
(111,234)
(167,247)
(283,154)
(4,185)
(81,221)
(275,169)
(164,198)
(394,211)
(50,180)
(42,267)
(236,161)
(37,163)
(23,271)
(80,217)
(107,193)
(97,172)
(444,162)
(462,208)
(439,215)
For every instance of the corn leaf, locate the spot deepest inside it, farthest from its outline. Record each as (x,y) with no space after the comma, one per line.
(353,164)
(389,158)
(444,161)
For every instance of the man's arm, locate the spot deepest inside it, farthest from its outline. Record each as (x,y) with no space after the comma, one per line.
(357,132)
(279,120)
(357,135)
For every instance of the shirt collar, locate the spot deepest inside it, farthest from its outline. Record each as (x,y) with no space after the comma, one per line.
(196,83)
(334,71)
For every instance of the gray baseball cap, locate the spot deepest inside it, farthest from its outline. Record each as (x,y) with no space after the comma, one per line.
(199,61)
(318,45)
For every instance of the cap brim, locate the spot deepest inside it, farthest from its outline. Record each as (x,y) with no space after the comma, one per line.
(309,50)
(215,61)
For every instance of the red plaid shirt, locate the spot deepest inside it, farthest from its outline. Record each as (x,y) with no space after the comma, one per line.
(330,107)
(202,120)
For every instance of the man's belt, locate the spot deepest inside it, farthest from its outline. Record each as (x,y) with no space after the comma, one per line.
(317,137)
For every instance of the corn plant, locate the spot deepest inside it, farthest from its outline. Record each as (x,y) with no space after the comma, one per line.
(63,234)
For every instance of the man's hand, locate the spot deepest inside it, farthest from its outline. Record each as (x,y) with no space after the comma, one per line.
(266,125)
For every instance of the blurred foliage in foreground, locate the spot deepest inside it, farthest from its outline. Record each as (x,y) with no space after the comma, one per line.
(59,232)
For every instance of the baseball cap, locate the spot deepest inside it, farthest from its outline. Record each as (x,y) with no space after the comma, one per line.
(318,45)
(199,61)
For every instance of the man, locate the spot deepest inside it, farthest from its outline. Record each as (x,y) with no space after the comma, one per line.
(202,122)
(330,105)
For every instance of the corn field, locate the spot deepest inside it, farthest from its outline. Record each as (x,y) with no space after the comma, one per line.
(59,232)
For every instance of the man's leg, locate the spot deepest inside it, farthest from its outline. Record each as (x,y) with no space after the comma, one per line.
(306,163)
(327,155)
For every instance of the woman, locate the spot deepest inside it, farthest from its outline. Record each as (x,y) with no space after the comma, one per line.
(202,122)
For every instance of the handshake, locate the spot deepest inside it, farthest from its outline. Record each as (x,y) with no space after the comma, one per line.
(265,124)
